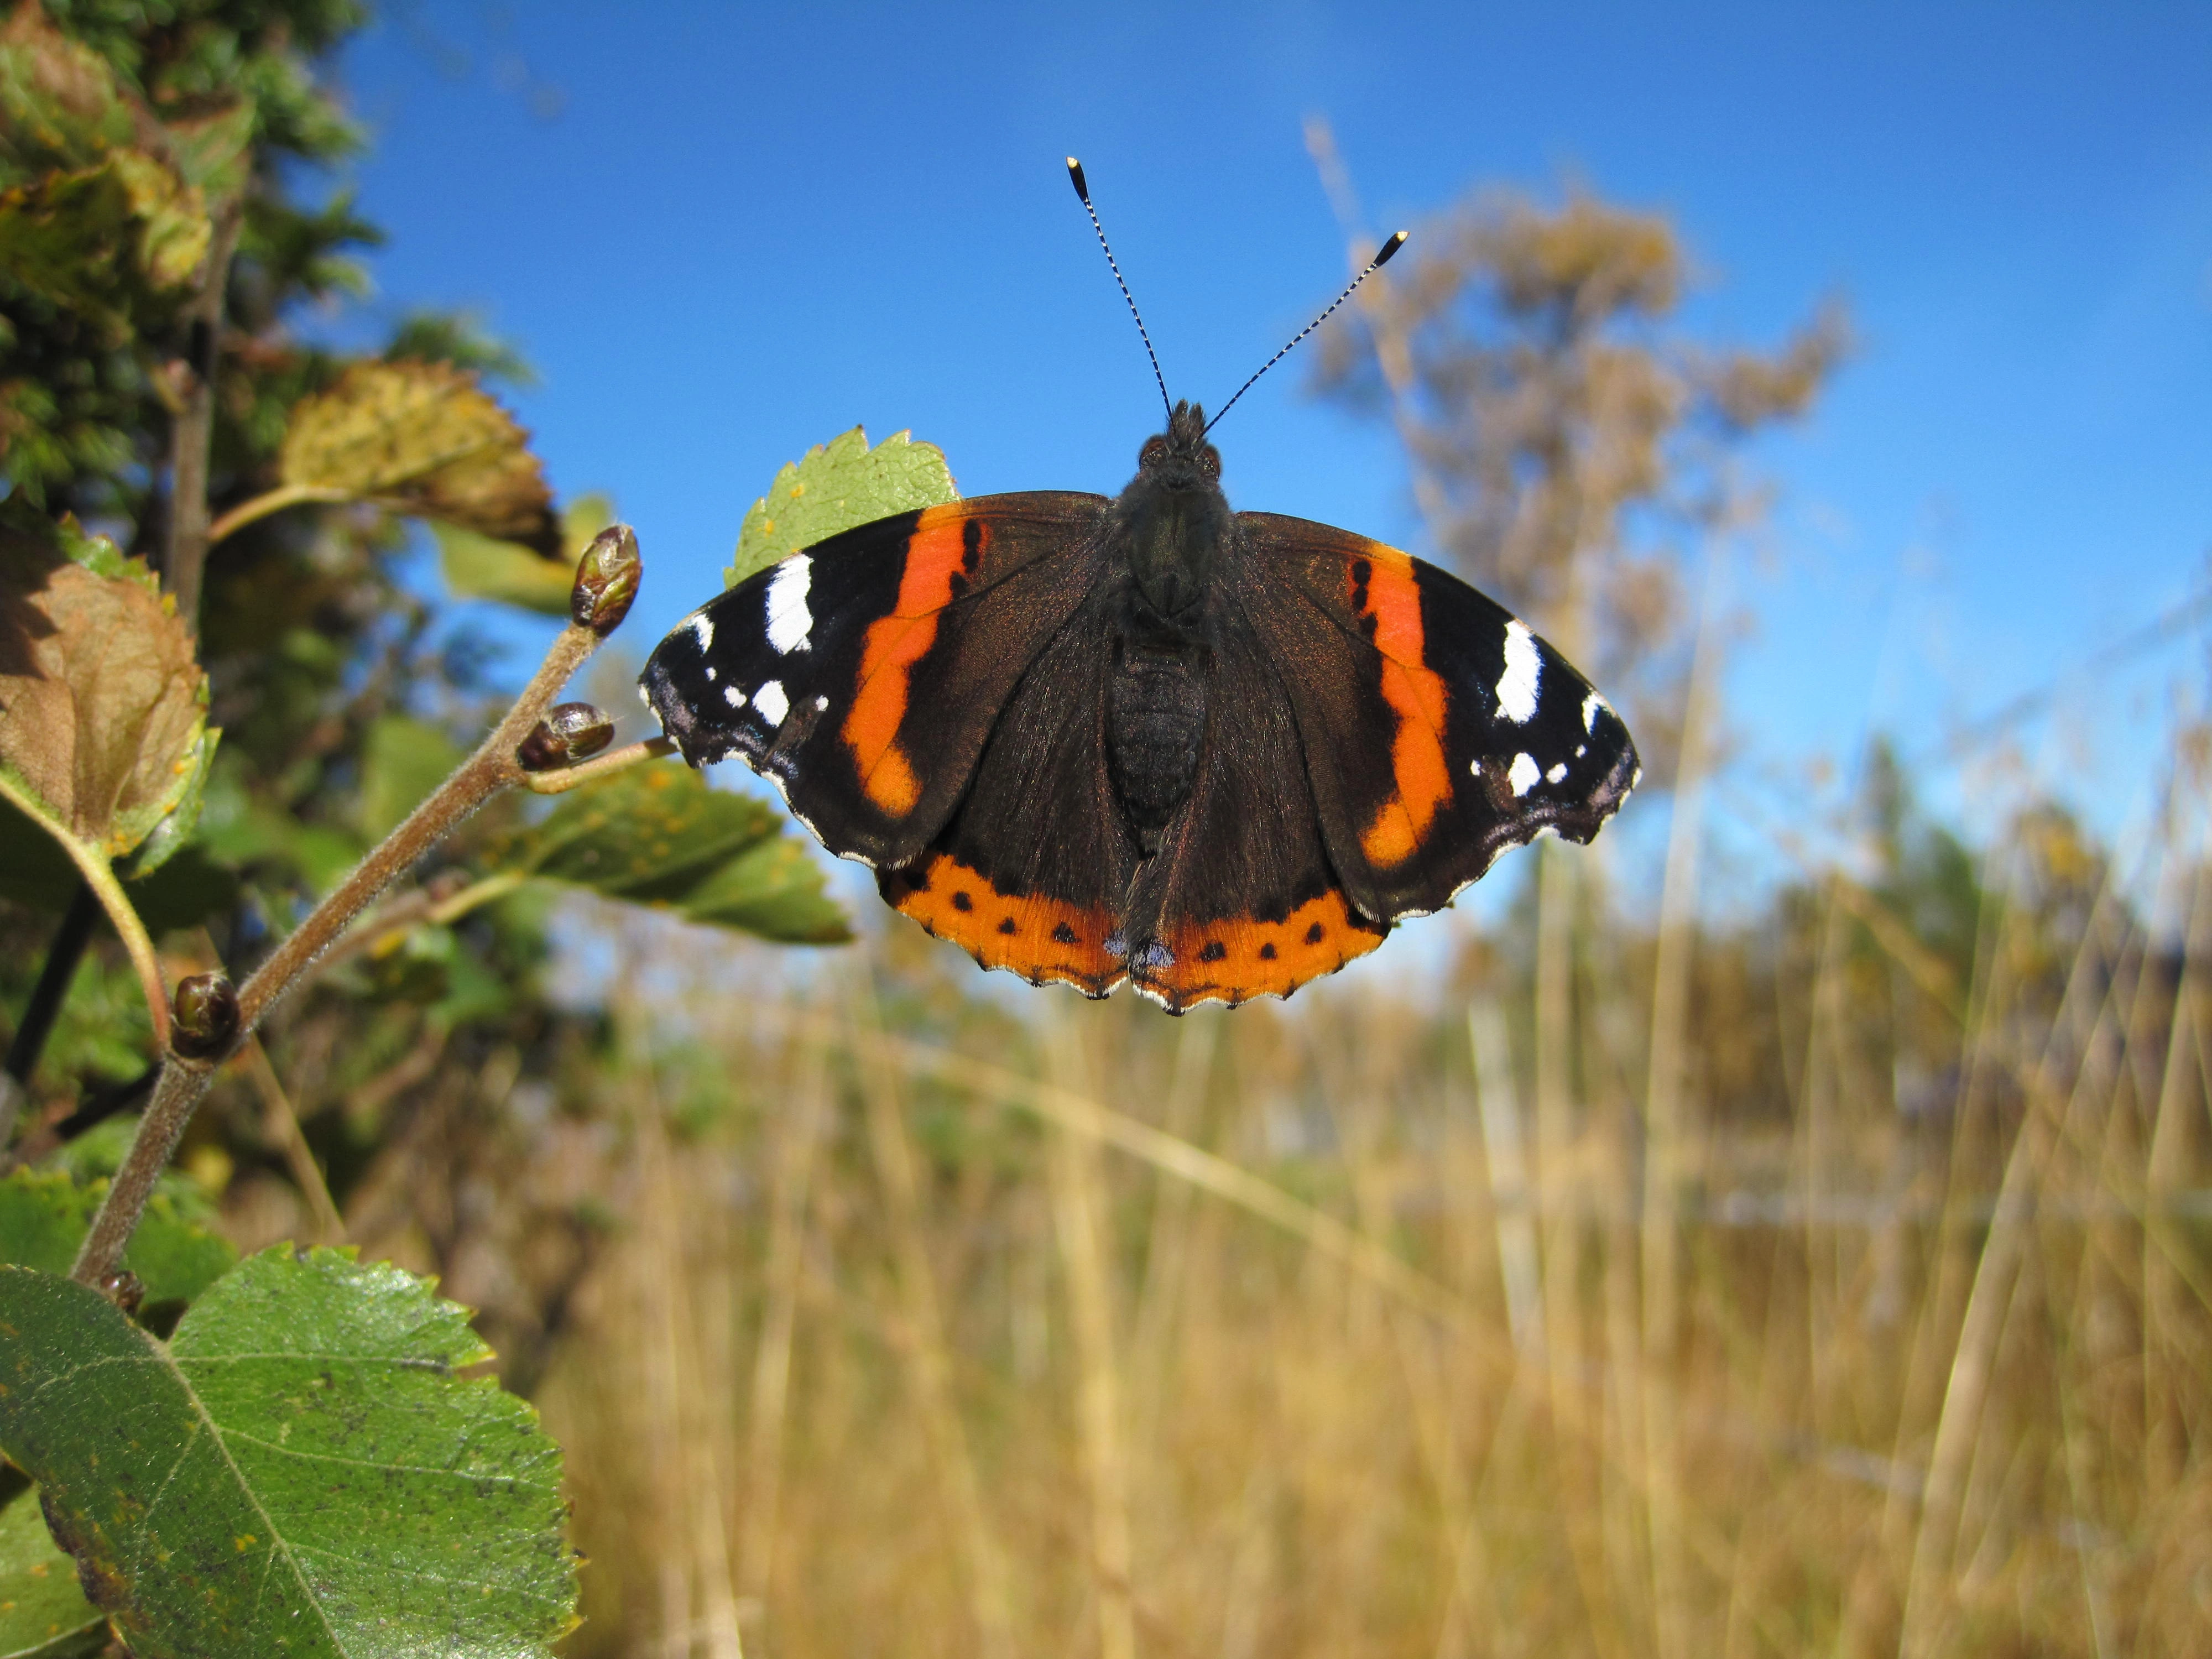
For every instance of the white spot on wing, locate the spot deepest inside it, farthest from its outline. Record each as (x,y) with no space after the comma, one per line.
(790,622)
(644,695)
(1524,773)
(771,702)
(1591,704)
(702,630)
(1524,671)
(732,696)
(1557,773)
(1475,766)
(821,703)
(711,674)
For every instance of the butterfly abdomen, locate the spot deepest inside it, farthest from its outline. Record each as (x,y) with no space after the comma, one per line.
(1155,721)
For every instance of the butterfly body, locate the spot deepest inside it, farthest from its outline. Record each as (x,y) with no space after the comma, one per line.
(1212,753)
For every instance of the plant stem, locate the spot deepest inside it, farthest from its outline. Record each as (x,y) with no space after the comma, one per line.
(46,997)
(616,760)
(272,500)
(179,1089)
(483,775)
(183,1082)
(193,433)
(99,877)
(282,1125)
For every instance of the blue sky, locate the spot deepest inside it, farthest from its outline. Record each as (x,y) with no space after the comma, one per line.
(724,233)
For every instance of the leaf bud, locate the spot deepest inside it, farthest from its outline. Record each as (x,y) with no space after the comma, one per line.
(206,1023)
(123,1288)
(607,580)
(569,733)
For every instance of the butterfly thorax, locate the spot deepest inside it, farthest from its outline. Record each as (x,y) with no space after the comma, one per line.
(1167,530)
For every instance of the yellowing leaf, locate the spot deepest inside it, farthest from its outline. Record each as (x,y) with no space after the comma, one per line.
(835,486)
(482,567)
(102,238)
(59,102)
(103,707)
(424,438)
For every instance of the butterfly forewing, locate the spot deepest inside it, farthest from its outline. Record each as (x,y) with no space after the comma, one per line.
(863,674)
(1436,729)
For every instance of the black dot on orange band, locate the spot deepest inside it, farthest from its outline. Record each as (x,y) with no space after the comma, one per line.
(962,901)
(1063,934)
(1267,953)
(1007,926)
(1313,933)
(1214,951)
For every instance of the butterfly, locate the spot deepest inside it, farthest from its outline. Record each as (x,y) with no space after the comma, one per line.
(1211,753)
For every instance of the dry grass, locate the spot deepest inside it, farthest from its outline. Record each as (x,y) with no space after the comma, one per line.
(1044,1326)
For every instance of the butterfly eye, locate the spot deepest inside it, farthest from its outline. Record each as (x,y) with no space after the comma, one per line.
(1209,461)
(1154,452)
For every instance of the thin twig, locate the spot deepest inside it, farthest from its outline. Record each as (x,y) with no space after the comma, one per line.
(193,433)
(99,877)
(46,1004)
(282,1124)
(483,775)
(184,1082)
(274,501)
(590,771)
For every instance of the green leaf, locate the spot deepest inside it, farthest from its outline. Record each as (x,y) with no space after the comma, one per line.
(46,1213)
(838,485)
(297,1471)
(773,891)
(402,759)
(657,835)
(43,1612)
(103,706)
(424,439)
(482,567)
(650,834)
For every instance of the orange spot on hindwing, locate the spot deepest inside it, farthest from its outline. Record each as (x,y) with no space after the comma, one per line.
(947,543)
(1382,588)
(1235,959)
(1036,937)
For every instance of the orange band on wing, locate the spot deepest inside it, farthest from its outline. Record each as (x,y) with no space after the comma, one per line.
(1416,696)
(1034,936)
(1233,960)
(937,552)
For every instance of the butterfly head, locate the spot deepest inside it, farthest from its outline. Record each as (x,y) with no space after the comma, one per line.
(1173,518)
(1180,458)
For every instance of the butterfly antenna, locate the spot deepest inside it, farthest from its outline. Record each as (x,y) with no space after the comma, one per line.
(1382,258)
(1083,191)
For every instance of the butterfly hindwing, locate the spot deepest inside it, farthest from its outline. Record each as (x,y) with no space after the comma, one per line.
(1242,900)
(1436,729)
(1031,872)
(863,674)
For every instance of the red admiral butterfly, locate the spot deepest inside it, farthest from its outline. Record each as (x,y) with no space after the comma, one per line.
(1213,753)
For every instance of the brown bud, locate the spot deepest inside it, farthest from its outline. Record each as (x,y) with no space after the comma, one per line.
(123,1288)
(206,1022)
(569,733)
(607,580)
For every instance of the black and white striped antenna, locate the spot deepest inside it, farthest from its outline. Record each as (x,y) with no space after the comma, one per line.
(1083,191)
(1382,258)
